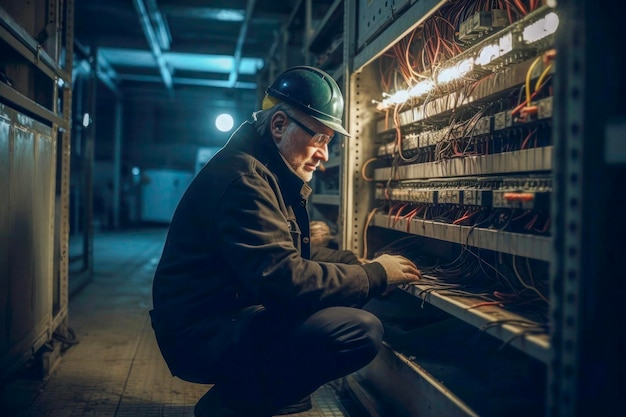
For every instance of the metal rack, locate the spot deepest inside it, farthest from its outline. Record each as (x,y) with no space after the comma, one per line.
(35,119)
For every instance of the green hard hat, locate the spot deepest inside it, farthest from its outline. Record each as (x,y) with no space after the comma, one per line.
(312,91)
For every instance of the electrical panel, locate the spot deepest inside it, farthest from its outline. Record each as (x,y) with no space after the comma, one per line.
(376,15)
(452,168)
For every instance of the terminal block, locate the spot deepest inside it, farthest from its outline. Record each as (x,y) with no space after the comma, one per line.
(522,199)
(544,108)
(450,196)
(477,197)
(481,23)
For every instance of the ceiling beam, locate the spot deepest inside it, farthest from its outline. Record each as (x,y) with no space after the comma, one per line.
(160,26)
(234,72)
(190,81)
(104,70)
(153,42)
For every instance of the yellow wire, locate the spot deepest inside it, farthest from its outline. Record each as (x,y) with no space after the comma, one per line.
(528,75)
(542,77)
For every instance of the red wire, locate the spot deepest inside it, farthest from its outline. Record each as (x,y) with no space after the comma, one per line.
(521,7)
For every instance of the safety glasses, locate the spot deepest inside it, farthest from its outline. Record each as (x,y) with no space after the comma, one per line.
(317,139)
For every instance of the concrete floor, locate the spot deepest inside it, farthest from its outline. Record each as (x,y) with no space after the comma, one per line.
(115,368)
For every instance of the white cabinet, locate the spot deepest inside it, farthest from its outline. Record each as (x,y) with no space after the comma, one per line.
(161,191)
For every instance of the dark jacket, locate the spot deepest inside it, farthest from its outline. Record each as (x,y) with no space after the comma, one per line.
(240,237)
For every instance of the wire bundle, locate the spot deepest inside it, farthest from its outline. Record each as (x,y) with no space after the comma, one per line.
(505,281)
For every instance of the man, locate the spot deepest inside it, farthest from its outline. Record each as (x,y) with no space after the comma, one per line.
(241,298)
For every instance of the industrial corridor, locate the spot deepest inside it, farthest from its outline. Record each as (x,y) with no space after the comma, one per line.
(114,367)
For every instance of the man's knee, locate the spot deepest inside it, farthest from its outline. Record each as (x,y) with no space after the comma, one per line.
(368,332)
(349,330)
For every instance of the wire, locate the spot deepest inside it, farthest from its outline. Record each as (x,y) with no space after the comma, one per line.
(528,76)
(363,168)
(542,77)
(363,258)
(525,285)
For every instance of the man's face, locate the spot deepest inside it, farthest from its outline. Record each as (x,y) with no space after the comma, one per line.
(296,145)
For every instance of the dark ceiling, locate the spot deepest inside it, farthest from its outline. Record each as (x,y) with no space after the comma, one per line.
(174,44)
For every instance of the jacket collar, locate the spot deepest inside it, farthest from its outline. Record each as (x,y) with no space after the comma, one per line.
(265,150)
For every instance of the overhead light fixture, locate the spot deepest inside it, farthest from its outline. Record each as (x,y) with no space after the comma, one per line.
(224,122)
(230,15)
(201,12)
(542,28)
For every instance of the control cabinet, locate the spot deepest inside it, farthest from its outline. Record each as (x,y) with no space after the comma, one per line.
(465,161)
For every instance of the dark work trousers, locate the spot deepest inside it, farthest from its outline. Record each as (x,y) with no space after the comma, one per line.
(271,359)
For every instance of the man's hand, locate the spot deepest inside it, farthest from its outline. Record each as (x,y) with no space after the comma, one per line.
(399,270)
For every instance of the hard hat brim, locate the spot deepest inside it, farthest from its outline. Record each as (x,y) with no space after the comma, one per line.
(333,125)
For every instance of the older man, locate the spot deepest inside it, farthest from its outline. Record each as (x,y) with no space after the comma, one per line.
(242,300)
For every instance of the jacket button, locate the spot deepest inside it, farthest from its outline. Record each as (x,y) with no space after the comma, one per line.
(305,239)
(303,203)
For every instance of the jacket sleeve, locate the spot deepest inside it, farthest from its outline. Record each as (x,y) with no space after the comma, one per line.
(256,242)
(323,254)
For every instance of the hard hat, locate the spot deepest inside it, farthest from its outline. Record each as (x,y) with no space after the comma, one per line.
(312,91)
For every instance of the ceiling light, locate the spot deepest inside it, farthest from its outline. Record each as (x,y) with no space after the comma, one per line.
(224,122)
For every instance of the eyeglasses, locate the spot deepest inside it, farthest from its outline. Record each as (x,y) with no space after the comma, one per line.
(317,139)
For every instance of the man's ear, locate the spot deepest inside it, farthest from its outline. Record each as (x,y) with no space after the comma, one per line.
(278,125)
